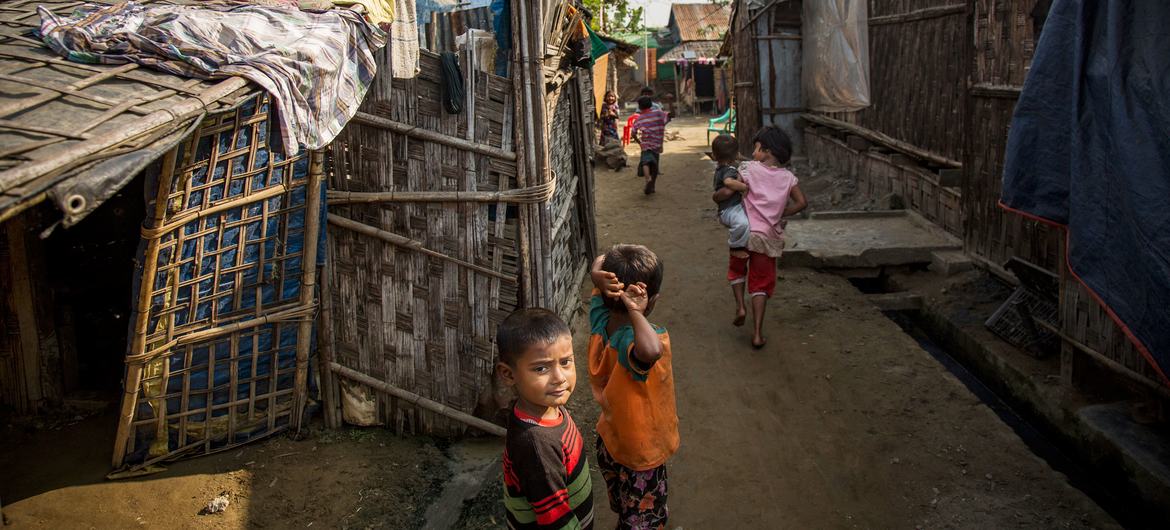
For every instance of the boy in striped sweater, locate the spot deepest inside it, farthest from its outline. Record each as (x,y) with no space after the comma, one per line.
(648,130)
(546,471)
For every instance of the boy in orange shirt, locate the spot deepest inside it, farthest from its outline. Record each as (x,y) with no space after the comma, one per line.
(631,377)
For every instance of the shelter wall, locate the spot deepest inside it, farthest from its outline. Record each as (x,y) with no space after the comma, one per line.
(917,74)
(419,323)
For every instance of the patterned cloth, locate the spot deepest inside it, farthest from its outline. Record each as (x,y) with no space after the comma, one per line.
(609,116)
(404,40)
(651,123)
(637,497)
(316,66)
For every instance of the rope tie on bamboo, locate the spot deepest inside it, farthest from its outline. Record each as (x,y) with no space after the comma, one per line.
(176,223)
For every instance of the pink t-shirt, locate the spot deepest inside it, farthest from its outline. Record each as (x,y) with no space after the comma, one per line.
(767,196)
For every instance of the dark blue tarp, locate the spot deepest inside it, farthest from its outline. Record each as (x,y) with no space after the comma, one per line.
(1089,148)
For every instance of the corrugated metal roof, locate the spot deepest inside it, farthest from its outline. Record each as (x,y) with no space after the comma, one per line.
(694,51)
(703,22)
(440,31)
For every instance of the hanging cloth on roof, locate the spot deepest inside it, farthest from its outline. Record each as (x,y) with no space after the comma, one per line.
(404,40)
(316,66)
(452,83)
(378,12)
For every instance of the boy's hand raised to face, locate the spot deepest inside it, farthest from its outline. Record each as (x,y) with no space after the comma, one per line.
(634,297)
(604,281)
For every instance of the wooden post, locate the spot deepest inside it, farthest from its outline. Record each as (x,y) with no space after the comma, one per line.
(308,295)
(26,319)
(142,316)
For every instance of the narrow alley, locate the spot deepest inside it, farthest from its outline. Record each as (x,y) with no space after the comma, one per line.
(842,420)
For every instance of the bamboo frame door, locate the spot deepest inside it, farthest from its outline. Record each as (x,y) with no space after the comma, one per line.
(225,293)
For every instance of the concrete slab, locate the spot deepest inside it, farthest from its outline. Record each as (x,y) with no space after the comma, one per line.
(1146,448)
(864,239)
(950,262)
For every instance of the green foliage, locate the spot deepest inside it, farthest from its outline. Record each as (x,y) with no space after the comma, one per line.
(620,15)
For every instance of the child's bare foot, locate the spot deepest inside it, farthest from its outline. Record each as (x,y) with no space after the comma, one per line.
(740,316)
(739,253)
(759,342)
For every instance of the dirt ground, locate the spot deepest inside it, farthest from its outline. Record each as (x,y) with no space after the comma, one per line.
(842,421)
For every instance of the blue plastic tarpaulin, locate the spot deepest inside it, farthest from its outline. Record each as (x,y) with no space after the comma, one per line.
(1089,150)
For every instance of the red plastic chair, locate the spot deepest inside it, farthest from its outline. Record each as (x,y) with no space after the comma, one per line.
(626,130)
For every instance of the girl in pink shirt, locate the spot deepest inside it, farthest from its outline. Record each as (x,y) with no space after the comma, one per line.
(771,192)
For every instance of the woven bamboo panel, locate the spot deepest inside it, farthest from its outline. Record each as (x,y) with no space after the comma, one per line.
(1084,320)
(570,249)
(1003,47)
(53,111)
(419,323)
(213,358)
(917,76)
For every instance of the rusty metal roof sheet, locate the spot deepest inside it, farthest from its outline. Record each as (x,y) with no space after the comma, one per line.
(704,21)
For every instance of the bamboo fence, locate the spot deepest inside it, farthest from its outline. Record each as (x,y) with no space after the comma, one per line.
(219,351)
(423,249)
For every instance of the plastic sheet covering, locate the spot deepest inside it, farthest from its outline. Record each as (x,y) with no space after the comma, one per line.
(836,55)
(1088,149)
(215,270)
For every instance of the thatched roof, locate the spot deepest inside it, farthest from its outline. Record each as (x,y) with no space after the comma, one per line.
(78,132)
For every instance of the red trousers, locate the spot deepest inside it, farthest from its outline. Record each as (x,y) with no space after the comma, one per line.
(758,270)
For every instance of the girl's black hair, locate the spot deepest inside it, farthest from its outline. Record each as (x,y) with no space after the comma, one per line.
(775,141)
(724,148)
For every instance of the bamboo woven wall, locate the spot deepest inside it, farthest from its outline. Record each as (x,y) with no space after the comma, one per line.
(570,131)
(221,314)
(417,322)
(1004,36)
(917,73)
(1003,46)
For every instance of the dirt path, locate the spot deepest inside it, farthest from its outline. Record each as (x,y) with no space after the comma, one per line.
(842,421)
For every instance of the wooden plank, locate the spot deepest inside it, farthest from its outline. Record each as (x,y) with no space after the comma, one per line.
(25,309)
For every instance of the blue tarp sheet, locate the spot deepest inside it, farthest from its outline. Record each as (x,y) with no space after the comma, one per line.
(1089,150)
(254,261)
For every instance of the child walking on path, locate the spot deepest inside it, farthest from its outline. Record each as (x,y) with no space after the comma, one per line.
(630,372)
(651,123)
(770,193)
(546,472)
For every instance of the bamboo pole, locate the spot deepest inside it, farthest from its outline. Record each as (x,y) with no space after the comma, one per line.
(308,297)
(521,86)
(406,242)
(882,139)
(432,136)
(285,315)
(142,315)
(1112,365)
(531,194)
(325,341)
(418,400)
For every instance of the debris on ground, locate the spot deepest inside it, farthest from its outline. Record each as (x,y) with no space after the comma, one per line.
(217,504)
(612,154)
